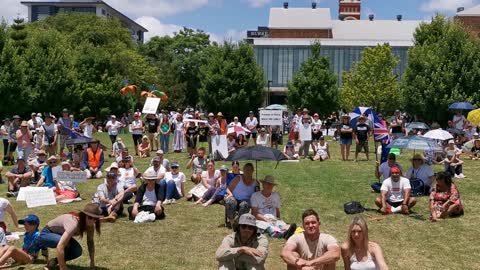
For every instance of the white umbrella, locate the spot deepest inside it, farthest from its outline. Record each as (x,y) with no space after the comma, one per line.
(438,134)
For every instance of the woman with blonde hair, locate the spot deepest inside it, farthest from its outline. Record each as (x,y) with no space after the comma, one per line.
(144,147)
(358,252)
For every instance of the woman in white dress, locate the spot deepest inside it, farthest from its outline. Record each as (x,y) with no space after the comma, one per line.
(358,252)
(179,134)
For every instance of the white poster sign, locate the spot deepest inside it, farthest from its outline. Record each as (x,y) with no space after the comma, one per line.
(21,192)
(305,132)
(219,143)
(76,177)
(151,105)
(271,117)
(36,198)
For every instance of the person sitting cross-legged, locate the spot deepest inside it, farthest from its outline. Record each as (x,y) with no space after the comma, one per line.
(243,249)
(149,198)
(266,209)
(93,159)
(109,197)
(445,198)
(395,194)
(19,176)
(174,184)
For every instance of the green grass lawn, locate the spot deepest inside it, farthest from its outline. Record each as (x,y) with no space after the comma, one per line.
(190,234)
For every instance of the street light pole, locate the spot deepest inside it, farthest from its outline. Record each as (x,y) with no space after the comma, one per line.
(269,82)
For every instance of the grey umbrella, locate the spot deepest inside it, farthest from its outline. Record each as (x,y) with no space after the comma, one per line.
(256,153)
(415,143)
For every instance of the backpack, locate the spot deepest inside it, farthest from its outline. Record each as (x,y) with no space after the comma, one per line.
(353,207)
(418,187)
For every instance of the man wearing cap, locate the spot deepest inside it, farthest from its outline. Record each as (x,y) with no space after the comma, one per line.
(65,126)
(174,184)
(24,141)
(50,137)
(19,176)
(311,249)
(109,197)
(244,249)
(361,133)
(93,159)
(266,209)
(251,123)
(198,163)
(395,194)
(30,249)
(163,161)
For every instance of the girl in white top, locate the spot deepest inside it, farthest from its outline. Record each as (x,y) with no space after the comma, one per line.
(323,150)
(88,127)
(264,138)
(358,252)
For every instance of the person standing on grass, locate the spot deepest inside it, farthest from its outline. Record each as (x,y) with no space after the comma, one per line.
(395,194)
(113,126)
(88,127)
(311,250)
(164,132)
(345,137)
(362,133)
(244,249)
(251,123)
(65,127)
(179,134)
(24,139)
(59,234)
(192,136)
(29,251)
(152,123)
(50,131)
(137,131)
(360,253)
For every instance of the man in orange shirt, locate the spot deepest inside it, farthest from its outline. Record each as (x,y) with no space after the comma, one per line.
(93,160)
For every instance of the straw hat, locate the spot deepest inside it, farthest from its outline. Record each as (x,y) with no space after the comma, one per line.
(92,210)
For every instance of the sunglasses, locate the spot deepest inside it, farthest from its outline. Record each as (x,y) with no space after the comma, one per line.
(174,167)
(247,227)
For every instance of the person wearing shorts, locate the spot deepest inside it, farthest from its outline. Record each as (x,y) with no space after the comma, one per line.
(361,133)
(345,137)
(137,130)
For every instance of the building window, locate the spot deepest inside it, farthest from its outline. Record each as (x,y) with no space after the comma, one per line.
(104,12)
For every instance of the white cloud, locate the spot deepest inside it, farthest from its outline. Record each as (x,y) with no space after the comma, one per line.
(258,3)
(156,27)
(156,8)
(445,5)
(235,35)
(11,9)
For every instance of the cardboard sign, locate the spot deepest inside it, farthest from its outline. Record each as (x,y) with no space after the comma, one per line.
(42,197)
(219,143)
(76,177)
(21,192)
(151,105)
(305,132)
(271,117)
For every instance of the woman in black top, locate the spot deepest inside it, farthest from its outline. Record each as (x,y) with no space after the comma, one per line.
(345,137)
(150,197)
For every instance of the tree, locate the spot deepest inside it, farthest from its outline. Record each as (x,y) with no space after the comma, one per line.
(443,67)
(314,86)
(19,34)
(371,82)
(231,80)
(179,59)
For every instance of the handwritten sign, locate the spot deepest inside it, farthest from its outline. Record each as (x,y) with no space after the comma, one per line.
(151,105)
(36,198)
(76,177)
(219,143)
(305,132)
(271,117)
(21,192)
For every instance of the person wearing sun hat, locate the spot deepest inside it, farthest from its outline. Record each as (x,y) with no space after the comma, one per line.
(24,141)
(47,177)
(243,249)
(149,198)
(109,197)
(29,251)
(266,209)
(59,234)
(421,170)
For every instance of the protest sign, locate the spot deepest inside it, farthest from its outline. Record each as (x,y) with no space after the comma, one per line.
(151,105)
(305,132)
(76,177)
(21,192)
(219,143)
(39,197)
(271,117)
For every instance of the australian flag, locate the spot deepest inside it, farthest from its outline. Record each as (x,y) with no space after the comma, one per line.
(380,131)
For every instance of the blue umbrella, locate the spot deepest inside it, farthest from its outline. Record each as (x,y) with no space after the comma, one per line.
(360,111)
(416,143)
(461,106)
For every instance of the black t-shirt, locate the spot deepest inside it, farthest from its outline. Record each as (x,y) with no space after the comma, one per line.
(345,135)
(362,131)
(152,124)
(192,131)
(202,133)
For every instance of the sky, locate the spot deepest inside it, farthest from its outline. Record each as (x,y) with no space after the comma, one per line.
(230,19)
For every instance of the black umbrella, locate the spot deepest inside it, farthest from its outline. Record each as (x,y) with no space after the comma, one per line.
(256,153)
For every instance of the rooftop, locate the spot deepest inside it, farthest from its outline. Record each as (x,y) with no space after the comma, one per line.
(300,18)
(474,11)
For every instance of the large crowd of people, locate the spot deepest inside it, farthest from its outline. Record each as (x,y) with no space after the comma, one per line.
(252,207)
